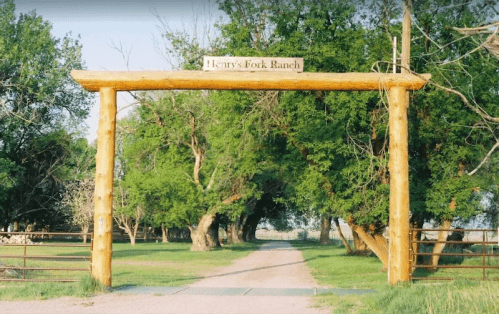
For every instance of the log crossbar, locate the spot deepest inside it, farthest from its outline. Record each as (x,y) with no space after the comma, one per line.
(108,83)
(198,80)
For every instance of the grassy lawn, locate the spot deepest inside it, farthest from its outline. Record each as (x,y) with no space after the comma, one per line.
(148,264)
(333,268)
(171,264)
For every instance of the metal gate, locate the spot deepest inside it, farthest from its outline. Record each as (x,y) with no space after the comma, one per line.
(476,252)
(53,251)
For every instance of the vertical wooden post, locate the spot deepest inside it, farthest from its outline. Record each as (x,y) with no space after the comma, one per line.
(399,187)
(104,175)
(406,38)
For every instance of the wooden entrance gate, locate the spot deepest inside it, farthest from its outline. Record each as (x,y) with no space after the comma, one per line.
(109,83)
(397,84)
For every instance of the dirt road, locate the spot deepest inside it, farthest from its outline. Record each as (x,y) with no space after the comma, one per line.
(274,265)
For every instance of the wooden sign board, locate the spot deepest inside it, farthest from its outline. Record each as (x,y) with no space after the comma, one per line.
(253,64)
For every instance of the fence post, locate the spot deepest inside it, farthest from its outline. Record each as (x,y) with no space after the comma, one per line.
(483,253)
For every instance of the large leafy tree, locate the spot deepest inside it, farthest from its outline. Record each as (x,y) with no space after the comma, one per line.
(189,158)
(330,150)
(40,106)
(450,137)
(342,137)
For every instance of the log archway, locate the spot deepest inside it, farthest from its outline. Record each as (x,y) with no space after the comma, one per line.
(109,83)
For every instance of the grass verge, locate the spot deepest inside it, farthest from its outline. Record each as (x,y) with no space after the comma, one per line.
(331,267)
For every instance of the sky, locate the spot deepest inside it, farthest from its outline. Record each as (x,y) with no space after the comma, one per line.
(132,25)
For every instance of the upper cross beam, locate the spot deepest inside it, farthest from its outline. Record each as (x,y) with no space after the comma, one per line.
(178,80)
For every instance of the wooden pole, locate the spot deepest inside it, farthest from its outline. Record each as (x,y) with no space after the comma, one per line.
(104,175)
(176,80)
(394,54)
(406,38)
(399,187)
(398,260)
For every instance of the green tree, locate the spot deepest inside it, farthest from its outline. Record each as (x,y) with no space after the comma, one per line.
(77,202)
(40,105)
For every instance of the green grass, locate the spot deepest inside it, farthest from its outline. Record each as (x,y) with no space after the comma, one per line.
(148,264)
(86,286)
(333,268)
(172,264)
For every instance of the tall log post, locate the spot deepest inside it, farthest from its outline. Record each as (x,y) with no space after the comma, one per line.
(104,175)
(406,38)
(399,187)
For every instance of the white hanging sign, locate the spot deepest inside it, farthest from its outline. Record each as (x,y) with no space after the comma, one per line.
(253,64)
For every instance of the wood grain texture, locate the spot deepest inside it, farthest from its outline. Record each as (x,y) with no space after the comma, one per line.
(103,196)
(168,80)
(399,187)
(406,38)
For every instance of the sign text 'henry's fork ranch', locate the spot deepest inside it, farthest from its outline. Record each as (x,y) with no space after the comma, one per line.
(253,64)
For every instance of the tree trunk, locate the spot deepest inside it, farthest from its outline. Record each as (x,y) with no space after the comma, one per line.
(16,226)
(212,235)
(342,237)
(249,228)
(132,233)
(235,230)
(253,230)
(240,225)
(439,247)
(376,242)
(200,235)
(234,233)
(84,231)
(228,231)
(325,229)
(360,245)
(145,229)
(164,234)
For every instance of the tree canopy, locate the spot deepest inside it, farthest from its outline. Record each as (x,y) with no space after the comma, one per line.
(41,109)
(205,159)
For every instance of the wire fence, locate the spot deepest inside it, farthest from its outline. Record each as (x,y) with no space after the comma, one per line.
(44,256)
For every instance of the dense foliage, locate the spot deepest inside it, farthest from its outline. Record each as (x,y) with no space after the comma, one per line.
(204,159)
(40,112)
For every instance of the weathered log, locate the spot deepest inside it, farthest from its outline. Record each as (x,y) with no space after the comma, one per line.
(104,174)
(196,80)
(399,187)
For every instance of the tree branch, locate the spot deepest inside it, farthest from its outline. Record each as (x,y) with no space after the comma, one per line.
(485,158)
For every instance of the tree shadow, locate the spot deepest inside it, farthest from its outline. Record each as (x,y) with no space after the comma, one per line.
(196,278)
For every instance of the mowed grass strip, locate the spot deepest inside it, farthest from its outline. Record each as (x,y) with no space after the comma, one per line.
(148,264)
(170,264)
(332,267)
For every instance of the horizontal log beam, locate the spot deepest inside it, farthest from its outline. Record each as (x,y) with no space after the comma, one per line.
(167,80)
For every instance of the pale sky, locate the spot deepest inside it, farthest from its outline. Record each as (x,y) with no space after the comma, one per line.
(132,24)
